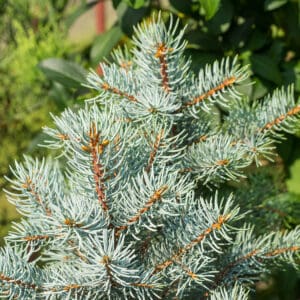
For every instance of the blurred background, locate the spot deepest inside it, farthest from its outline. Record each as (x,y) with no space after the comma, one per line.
(47,46)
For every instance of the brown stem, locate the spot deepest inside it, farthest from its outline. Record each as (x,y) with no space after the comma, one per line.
(116,91)
(161,52)
(17,282)
(281,118)
(96,148)
(227,82)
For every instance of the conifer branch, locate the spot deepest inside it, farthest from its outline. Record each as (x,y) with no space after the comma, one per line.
(226,83)
(96,148)
(215,226)
(153,199)
(30,187)
(116,91)
(281,118)
(18,282)
(222,274)
(282,250)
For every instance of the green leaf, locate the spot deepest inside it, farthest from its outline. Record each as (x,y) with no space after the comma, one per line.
(116,3)
(136,4)
(182,6)
(220,23)
(202,41)
(104,43)
(65,72)
(257,40)
(129,17)
(210,7)
(273,4)
(293,182)
(265,67)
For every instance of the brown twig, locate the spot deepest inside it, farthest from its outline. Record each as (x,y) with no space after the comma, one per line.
(161,52)
(281,118)
(227,82)
(116,91)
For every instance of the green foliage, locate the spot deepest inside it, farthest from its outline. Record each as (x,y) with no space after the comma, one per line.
(210,7)
(67,73)
(104,43)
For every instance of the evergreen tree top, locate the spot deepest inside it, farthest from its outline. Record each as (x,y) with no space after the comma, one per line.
(141,211)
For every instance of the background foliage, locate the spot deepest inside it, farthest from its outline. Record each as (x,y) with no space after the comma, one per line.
(37,67)
(30,31)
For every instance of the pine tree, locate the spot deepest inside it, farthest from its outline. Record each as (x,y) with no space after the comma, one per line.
(142,209)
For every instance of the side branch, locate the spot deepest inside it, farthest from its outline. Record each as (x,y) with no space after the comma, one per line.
(281,118)
(116,91)
(197,240)
(222,274)
(17,282)
(161,52)
(31,188)
(96,148)
(153,199)
(226,83)
(154,151)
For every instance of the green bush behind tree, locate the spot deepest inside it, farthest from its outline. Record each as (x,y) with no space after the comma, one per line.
(30,32)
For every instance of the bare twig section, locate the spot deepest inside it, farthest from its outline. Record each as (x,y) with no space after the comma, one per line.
(281,118)
(116,91)
(197,240)
(161,52)
(226,83)
(153,199)
(18,282)
(154,151)
(30,186)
